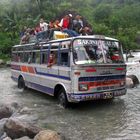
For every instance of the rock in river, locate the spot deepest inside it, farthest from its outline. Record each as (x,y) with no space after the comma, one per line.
(17,129)
(24,138)
(2,123)
(5,112)
(48,135)
(131,81)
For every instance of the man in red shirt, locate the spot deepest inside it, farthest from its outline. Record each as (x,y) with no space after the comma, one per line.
(65,24)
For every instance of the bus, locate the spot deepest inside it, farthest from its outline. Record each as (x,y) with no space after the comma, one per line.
(85,68)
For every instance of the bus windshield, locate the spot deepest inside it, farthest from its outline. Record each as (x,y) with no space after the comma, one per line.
(87,51)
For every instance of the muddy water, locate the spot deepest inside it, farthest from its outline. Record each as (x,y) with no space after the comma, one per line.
(116,120)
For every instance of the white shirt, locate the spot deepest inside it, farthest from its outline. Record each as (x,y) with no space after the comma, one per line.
(61,23)
(44,26)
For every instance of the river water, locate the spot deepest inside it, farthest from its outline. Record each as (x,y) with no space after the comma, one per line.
(100,120)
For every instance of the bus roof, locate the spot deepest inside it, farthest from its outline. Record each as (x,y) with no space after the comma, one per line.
(69,39)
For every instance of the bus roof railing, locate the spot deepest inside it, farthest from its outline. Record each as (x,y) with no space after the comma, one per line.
(67,39)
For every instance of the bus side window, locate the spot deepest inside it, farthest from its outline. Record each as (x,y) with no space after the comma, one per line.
(44,58)
(30,58)
(26,55)
(64,61)
(52,58)
(14,57)
(33,57)
(38,57)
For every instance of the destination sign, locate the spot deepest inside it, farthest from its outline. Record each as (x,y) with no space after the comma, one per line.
(81,42)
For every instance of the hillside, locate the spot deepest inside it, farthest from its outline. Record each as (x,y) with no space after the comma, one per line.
(119,18)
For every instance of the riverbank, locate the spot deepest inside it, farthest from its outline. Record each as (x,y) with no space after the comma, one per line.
(18,123)
(5,63)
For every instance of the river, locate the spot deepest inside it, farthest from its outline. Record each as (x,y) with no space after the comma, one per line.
(100,120)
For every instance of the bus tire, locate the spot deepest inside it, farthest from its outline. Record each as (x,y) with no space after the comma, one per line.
(21,83)
(62,98)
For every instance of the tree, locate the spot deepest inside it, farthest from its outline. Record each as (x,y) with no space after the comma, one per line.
(103,13)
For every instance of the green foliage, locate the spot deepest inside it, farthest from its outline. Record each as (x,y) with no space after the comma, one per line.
(119,18)
(103,13)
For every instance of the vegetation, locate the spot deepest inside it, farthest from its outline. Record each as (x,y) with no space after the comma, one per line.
(119,18)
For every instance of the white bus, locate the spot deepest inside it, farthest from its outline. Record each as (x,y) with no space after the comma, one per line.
(84,68)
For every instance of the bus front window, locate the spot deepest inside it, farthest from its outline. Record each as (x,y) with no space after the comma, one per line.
(87,51)
(84,53)
(114,53)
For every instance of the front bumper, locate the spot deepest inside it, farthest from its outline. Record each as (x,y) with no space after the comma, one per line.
(95,96)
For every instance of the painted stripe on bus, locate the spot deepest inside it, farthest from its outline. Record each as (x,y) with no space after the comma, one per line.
(101,78)
(24,68)
(33,70)
(38,87)
(54,75)
(103,83)
(41,88)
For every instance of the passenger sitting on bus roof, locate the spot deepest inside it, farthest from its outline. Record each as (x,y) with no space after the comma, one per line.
(78,24)
(43,25)
(70,27)
(37,29)
(52,59)
(25,38)
(55,27)
(32,36)
(65,23)
(22,32)
(44,30)
(86,31)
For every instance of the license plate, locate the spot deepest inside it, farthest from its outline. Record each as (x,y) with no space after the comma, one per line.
(107,95)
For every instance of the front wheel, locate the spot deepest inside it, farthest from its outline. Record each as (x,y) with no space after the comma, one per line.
(62,98)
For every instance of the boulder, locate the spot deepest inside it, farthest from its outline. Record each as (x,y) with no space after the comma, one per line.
(28,118)
(48,135)
(3,136)
(2,123)
(14,128)
(131,81)
(17,129)
(5,112)
(32,130)
(7,138)
(24,138)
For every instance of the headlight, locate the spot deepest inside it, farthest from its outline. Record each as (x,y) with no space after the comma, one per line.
(83,87)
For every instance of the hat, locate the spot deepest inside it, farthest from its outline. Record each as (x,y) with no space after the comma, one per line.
(70,15)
